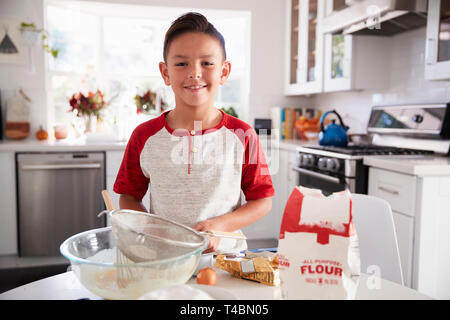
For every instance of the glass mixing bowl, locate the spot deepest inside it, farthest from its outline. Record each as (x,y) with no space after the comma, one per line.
(93,256)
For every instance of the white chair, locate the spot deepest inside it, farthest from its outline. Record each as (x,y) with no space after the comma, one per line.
(374,225)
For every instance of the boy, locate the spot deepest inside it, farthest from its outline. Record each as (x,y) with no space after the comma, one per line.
(196,158)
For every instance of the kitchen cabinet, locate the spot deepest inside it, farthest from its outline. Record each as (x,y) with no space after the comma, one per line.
(304,54)
(437,52)
(284,179)
(113,162)
(404,227)
(353,62)
(399,190)
(420,211)
(288,180)
(323,62)
(338,50)
(432,239)
(8,211)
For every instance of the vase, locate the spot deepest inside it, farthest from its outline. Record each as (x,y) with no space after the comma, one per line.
(91,124)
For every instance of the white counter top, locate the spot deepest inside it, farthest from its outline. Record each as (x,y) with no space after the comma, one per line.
(33,145)
(420,165)
(66,286)
(409,164)
(294,145)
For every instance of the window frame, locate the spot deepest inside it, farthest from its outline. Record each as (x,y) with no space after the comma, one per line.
(103,77)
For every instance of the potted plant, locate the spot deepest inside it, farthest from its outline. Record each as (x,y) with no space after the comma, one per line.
(89,107)
(31,37)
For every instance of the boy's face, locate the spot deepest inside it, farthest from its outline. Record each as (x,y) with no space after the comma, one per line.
(195,68)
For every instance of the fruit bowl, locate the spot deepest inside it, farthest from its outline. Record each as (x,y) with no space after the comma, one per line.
(94,260)
(307,129)
(309,133)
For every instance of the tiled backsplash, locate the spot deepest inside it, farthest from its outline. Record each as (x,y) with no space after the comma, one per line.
(407,84)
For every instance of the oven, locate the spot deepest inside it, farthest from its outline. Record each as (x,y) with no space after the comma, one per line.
(328,184)
(394,130)
(330,172)
(333,169)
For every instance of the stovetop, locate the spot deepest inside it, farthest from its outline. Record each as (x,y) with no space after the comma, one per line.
(363,150)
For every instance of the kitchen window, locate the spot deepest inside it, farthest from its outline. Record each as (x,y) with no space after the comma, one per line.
(117,48)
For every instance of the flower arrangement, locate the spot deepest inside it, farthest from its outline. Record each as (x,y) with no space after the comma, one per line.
(88,105)
(147,102)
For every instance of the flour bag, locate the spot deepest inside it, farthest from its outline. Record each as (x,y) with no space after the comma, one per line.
(318,249)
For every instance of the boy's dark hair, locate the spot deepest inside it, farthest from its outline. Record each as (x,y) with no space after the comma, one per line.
(191,22)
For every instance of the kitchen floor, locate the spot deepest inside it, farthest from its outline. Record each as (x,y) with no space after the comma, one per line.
(17,271)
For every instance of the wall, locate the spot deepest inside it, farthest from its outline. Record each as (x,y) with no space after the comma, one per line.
(407,84)
(407,50)
(267,54)
(13,77)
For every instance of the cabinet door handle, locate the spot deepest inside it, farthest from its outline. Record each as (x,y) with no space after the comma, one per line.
(388,190)
(60,166)
(317,175)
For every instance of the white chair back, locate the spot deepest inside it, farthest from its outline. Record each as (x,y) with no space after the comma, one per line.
(374,225)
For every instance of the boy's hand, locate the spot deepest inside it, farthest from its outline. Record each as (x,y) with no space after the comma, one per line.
(206,225)
(213,244)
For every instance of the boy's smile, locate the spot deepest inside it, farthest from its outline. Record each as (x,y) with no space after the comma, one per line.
(195,68)
(195,88)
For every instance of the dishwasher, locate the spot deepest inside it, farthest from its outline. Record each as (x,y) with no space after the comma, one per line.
(59,195)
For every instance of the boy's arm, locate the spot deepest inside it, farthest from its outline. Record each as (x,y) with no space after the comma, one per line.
(245,215)
(128,202)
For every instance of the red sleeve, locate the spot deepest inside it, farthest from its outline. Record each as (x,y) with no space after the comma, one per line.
(256,182)
(130,178)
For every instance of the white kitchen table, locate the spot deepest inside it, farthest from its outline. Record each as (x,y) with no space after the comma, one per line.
(66,286)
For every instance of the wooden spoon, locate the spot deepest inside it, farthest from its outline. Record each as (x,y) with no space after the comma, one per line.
(108,202)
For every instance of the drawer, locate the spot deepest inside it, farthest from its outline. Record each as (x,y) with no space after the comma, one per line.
(396,188)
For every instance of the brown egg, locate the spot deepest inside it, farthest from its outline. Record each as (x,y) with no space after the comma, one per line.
(207,276)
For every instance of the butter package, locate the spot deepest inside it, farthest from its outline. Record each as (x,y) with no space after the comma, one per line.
(261,269)
(318,248)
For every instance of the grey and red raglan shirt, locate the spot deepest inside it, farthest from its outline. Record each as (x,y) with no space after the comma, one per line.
(195,175)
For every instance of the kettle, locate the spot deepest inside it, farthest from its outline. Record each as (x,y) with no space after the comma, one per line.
(333,134)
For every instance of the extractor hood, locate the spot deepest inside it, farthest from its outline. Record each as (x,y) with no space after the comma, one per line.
(377,17)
